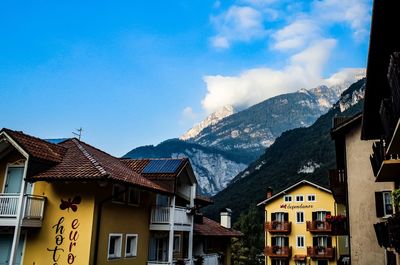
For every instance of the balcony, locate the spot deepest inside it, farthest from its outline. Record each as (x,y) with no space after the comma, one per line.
(278,252)
(389,110)
(321,252)
(338,224)
(337,181)
(388,233)
(175,262)
(160,219)
(33,210)
(319,227)
(278,227)
(209,259)
(385,165)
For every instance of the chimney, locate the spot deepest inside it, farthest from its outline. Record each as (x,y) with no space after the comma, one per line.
(269,192)
(226,218)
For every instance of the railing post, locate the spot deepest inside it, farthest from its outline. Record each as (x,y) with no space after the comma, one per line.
(17,229)
(171,230)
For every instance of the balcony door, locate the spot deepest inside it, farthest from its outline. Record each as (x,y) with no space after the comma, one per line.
(280,242)
(14,179)
(321,243)
(158,248)
(320,217)
(278,219)
(5,249)
(13,183)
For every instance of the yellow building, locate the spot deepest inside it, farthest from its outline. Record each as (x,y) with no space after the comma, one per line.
(71,203)
(297,227)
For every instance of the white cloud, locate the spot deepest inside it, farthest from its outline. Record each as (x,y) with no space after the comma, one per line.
(238,23)
(304,69)
(355,13)
(220,42)
(296,35)
(352,74)
(188,114)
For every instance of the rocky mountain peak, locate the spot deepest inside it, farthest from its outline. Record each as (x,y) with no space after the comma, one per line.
(211,119)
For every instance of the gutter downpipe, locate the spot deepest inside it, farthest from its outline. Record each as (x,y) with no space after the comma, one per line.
(99,213)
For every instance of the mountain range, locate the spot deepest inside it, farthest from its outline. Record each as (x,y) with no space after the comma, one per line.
(301,153)
(226,142)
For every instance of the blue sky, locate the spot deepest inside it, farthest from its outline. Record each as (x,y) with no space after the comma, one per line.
(132,73)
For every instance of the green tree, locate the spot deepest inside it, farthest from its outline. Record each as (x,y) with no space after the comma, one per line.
(248,249)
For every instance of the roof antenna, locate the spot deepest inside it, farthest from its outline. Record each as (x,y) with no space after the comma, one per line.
(79,134)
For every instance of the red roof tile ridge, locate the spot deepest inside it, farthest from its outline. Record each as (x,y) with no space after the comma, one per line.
(153,158)
(96,163)
(57,150)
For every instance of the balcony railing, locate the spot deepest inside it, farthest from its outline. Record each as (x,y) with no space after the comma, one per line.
(161,215)
(175,262)
(337,181)
(321,252)
(34,206)
(33,209)
(319,227)
(210,259)
(385,165)
(388,233)
(278,227)
(278,252)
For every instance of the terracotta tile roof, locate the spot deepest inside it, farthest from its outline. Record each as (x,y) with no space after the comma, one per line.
(213,228)
(36,147)
(203,200)
(85,162)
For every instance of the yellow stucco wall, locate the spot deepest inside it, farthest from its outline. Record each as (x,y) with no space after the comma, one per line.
(125,219)
(65,236)
(324,202)
(115,218)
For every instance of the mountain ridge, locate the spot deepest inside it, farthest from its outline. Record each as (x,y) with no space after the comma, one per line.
(280,166)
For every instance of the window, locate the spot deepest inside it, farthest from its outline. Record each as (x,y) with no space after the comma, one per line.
(279,262)
(300,241)
(300,262)
(383,203)
(299,198)
(300,217)
(131,245)
(177,243)
(134,196)
(114,246)
(279,217)
(387,203)
(320,215)
(162,200)
(287,198)
(118,193)
(311,197)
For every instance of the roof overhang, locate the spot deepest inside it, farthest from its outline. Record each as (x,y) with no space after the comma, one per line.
(384,41)
(302,182)
(6,141)
(346,126)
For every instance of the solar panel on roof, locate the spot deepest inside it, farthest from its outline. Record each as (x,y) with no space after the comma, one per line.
(162,166)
